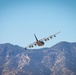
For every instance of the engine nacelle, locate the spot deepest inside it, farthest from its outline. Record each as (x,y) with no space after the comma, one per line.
(51,37)
(35,44)
(45,39)
(31,46)
(54,35)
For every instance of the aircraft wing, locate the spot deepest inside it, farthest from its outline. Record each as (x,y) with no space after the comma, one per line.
(31,45)
(50,37)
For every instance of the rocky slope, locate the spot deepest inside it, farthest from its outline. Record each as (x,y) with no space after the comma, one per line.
(57,60)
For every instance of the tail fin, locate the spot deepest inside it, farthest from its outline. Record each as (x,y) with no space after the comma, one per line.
(35,37)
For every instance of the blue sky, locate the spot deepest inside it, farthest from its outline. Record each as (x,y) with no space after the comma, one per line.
(20,19)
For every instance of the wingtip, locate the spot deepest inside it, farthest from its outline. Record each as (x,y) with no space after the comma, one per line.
(59,32)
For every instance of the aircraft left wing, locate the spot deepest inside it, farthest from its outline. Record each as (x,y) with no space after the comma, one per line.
(50,37)
(31,45)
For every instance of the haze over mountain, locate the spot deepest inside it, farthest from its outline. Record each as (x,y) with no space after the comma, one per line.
(59,59)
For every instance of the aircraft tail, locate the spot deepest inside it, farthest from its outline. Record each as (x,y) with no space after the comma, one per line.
(35,37)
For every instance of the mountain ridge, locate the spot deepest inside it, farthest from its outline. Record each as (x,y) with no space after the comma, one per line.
(59,59)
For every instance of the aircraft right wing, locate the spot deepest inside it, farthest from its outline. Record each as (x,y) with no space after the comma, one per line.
(50,37)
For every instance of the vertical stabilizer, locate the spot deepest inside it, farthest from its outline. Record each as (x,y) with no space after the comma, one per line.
(35,37)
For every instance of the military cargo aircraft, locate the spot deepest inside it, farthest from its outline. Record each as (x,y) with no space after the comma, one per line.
(41,41)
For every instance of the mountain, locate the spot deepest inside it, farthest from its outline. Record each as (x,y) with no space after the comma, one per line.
(59,59)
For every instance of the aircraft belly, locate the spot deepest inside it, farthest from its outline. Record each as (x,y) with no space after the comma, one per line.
(39,43)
